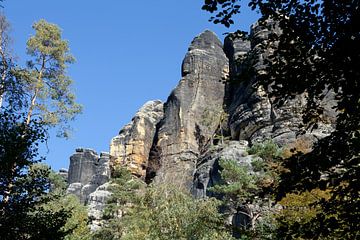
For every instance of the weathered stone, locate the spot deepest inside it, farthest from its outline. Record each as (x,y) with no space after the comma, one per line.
(208,170)
(132,146)
(253,116)
(75,188)
(96,205)
(63,172)
(192,111)
(82,166)
(87,171)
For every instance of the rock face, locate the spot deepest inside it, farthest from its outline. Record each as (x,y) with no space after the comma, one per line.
(132,146)
(253,115)
(87,171)
(96,205)
(192,112)
(208,170)
(177,142)
(82,166)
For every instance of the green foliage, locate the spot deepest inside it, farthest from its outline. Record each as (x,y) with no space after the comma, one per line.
(23,183)
(167,213)
(238,185)
(297,217)
(11,90)
(240,190)
(158,212)
(126,192)
(76,225)
(268,163)
(47,82)
(267,150)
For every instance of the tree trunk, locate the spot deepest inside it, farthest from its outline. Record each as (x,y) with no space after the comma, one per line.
(36,92)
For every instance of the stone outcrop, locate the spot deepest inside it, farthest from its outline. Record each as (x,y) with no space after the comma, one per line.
(192,111)
(178,142)
(63,172)
(96,205)
(253,116)
(87,171)
(208,170)
(132,146)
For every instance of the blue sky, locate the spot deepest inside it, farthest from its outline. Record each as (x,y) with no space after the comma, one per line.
(127,52)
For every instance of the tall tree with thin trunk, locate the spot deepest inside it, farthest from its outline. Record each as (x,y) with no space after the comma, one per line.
(51,99)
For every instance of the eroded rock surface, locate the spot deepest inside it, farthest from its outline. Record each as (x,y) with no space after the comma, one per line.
(87,171)
(192,111)
(208,170)
(132,146)
(96,205)
(253,116)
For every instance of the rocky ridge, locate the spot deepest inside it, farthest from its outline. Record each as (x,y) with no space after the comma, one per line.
(211,114)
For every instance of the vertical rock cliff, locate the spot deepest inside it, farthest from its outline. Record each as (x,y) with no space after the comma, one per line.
(87,171)
(192,112)
(132,146)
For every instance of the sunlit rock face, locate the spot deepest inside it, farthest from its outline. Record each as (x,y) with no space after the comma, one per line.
(191,113)
(87,171)
(178,142)
(96,204)
(132,146)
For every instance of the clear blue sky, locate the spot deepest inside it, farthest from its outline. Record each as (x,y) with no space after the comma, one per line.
(127,52)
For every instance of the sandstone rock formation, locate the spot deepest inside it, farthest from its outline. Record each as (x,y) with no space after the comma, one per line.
(253,116)
(208,170)
(96,205)
(192,112)
(176,142)
(87,171)
(132,146)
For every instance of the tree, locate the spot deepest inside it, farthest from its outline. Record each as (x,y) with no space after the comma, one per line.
(10,87)
(239,191)
(24,184)
(4,42)
(158,212)
(125,193)
(317,52)
(76,224)
(32,203)
(166,212)
(48,85)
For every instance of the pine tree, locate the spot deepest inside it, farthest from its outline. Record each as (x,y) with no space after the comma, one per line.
(49,86)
